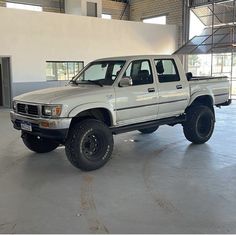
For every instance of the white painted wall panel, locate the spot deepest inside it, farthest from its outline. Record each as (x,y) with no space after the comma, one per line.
(32,38)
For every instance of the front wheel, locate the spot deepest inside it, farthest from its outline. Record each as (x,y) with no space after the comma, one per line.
(38,144)
(89,145)
(200,124)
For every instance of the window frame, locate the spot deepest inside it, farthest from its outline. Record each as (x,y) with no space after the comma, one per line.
(55,61)
(175,66)
(143,60)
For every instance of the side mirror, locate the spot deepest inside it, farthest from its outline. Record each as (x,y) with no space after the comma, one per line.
(189,76)
(126,81)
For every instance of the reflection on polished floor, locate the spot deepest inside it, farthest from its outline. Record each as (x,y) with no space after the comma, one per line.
(157,183)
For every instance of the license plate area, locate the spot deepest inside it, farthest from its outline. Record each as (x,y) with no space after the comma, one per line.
(26,126)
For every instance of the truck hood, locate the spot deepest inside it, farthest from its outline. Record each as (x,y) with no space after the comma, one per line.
(52,95)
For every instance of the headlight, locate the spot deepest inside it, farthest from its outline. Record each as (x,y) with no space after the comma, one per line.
(51,110)
(14,105)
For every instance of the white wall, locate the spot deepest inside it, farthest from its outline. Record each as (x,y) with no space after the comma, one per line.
(32,38)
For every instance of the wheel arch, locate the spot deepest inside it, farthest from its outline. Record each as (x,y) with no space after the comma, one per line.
(101,114)
(206,100)
(203,99)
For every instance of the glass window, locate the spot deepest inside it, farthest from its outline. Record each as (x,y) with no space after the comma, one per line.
(96,72)
(116,70)
(23,6)
(197,40)
(101,73)
(166,70)
(62,71)
(140,72)
(221,64)
(92,9)
(51,71)
(106,16)
(71,70)
(200,65)
(196,27)
(155,20)
(57,71)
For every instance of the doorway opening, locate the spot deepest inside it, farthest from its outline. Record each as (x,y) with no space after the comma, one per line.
(5,82)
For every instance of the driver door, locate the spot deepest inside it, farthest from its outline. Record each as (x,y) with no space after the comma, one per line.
(138,102)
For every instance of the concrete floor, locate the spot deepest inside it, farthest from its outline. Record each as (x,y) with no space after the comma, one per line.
(157,183)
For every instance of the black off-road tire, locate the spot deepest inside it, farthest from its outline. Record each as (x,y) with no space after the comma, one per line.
(200,124)
(89,145)
(38,144)
(148,130)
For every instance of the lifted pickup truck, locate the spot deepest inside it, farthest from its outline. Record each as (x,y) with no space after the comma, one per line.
(117,95)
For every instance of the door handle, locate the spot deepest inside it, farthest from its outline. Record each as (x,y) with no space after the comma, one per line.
(179,87)
(151,89)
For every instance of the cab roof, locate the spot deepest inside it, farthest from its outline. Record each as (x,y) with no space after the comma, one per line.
(139,57)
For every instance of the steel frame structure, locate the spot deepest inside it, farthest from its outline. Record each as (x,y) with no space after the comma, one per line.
(219,35)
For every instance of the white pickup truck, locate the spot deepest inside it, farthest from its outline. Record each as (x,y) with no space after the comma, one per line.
(117,95)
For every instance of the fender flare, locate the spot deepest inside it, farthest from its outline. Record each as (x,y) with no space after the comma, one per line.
(81,108)
(201,93)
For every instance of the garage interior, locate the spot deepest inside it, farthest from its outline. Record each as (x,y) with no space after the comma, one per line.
(157,183)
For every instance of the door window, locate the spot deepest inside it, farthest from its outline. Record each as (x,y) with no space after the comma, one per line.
(116,70)
(167,70)
(140,72)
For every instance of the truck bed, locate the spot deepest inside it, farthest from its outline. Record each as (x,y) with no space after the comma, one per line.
(218,85)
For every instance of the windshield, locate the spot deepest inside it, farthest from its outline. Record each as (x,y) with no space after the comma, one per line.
(100,73)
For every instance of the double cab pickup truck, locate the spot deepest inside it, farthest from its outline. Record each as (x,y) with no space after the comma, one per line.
(117,95)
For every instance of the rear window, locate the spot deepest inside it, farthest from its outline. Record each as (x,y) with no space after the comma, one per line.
(167,70)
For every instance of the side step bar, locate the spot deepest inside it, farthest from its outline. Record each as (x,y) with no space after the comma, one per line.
(165,121)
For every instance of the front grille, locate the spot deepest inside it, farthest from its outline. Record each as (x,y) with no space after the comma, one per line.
(28,109)
(21,108)
(33,110)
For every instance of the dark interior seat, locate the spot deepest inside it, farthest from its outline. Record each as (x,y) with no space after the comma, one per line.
(160,67)
(143,77)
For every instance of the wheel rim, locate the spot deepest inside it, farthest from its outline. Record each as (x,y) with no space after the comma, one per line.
(204,125)
(92,146)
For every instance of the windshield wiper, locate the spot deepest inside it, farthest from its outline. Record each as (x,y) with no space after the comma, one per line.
(73,82)
(87,81)
(90,81)
(95,82)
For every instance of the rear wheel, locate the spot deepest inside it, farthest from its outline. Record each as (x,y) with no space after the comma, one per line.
(200,124)
(89,145)
(38,144)
(148,130)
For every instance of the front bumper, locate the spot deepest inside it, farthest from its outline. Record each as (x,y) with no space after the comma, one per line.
(56,129)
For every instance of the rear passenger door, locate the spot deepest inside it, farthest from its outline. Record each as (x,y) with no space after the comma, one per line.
(173,91)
